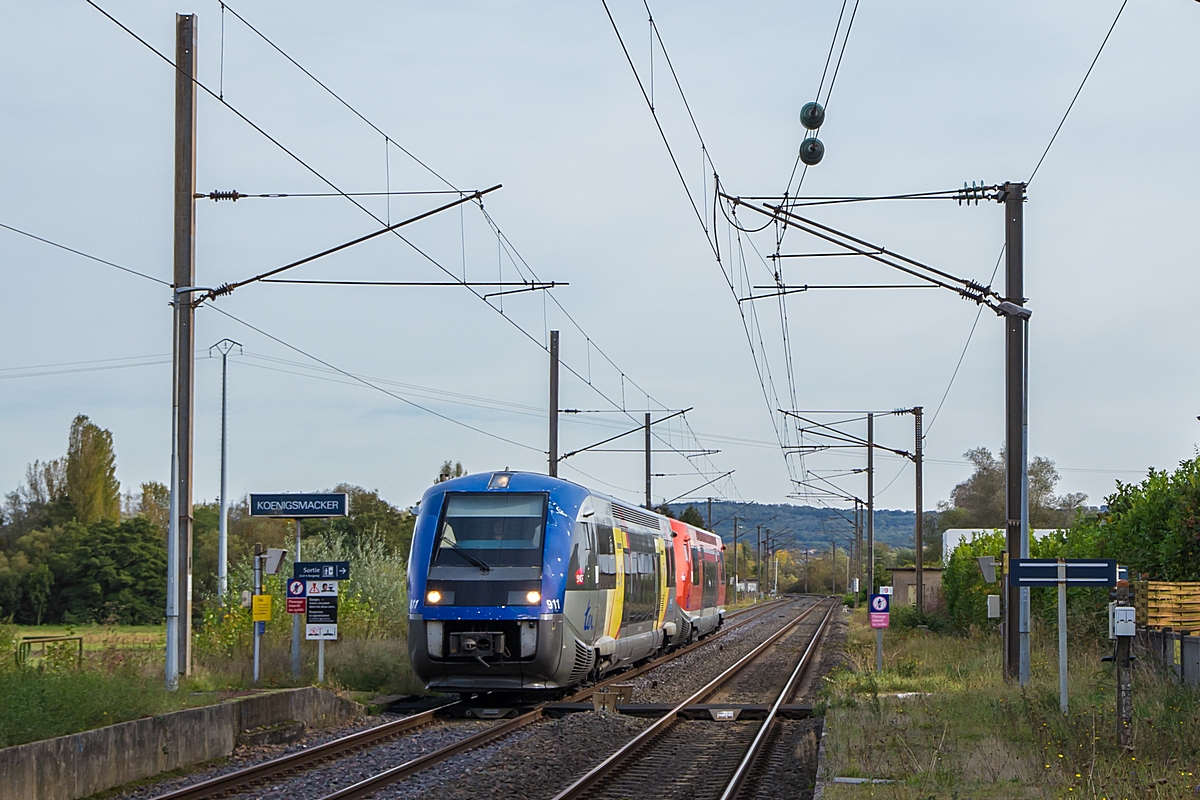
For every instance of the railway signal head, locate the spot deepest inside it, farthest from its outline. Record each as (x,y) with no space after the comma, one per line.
(812,116)
(812,151)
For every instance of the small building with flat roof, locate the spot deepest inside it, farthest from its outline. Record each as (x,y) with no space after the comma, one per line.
(904,585)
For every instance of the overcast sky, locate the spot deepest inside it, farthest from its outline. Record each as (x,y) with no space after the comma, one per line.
(539,97)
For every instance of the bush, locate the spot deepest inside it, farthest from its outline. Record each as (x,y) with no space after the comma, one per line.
(907,617)
(371,651)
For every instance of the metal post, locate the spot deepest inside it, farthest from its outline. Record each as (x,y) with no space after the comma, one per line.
(257,591)
(320,661)
(1062,635)
(1124,679)
(806,569)
(870,503)
(1013,196)
(553,451)
(918,460)
(758,561)
(224,347)
(735,559)
(185,343)
(858,547)
(296,626)
(832,567)
(649,502)
(879,649)
(1025,669)
(710,513)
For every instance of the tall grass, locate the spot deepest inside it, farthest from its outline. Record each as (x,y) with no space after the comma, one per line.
(965,732)
(371,651)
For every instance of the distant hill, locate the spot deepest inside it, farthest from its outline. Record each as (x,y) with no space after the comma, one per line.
(812,525)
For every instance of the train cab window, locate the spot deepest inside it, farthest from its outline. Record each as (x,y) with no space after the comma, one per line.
(494,529)
(670,565)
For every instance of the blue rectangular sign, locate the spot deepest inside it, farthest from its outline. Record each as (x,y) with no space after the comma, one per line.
(321,570)
(1080,572)
(296,506)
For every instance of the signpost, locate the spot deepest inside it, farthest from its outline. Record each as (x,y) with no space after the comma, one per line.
(297,596)
(879,607)
(1061,572)
(297,506)
(321,602)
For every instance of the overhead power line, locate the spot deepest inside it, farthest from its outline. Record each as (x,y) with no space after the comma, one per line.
(85,255)
(1082,83)
(514,256)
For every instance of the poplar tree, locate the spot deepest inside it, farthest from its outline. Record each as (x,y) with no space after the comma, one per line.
(92,473)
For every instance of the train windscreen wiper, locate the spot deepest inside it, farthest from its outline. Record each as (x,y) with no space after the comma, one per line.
(484,567)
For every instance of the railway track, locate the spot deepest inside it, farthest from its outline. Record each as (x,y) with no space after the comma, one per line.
(283,767)
(702,759)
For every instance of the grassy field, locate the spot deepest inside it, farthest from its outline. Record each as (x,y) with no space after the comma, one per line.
(940,722)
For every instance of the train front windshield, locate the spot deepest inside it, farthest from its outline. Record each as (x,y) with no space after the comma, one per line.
(496,529)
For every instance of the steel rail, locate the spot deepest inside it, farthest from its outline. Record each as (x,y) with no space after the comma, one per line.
(368,786)
(627,751)
(744,768)
(304,759)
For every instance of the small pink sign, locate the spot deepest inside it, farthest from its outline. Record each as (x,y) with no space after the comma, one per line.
(880,620)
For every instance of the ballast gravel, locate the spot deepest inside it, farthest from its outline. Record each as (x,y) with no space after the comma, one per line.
(248,756)
(677,679)
(535,762)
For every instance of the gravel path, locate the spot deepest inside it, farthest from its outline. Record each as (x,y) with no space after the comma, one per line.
(535,762)
(675,680)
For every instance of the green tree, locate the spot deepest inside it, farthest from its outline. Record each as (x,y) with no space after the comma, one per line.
(155,504)
(370,517)
(692,516)
(979,501)
(450,470)
(37,587)
(112,572)
(91,473)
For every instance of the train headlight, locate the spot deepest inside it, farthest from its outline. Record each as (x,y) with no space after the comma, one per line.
(533,597)
(433,597)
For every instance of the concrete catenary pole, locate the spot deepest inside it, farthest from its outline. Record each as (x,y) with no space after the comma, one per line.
(1013,196)
(919,462)
(179,607)
(870,503)
(553,449)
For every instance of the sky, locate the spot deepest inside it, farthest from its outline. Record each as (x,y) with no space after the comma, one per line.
(541,99)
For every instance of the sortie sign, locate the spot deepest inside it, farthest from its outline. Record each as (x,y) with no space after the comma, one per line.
(297,506)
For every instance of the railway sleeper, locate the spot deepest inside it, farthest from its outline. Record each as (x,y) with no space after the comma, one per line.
(718,712)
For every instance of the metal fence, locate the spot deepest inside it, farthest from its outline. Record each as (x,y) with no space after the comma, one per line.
(1176,653)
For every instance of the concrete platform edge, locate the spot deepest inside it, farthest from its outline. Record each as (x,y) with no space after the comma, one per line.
(79,765)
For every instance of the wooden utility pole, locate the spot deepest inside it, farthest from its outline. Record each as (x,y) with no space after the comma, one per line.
(179,617)
(553,449)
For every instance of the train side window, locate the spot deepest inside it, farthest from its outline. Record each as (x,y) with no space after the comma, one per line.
(670,565)
(697,559)
(606,557)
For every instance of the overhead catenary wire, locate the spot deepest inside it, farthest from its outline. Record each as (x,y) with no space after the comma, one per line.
(336,188)
(1082,83)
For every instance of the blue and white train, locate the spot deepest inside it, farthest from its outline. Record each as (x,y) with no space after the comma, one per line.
(522,582)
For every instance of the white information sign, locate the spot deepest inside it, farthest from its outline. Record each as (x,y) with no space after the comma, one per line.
(886,590)
(322,589)
(320,631)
